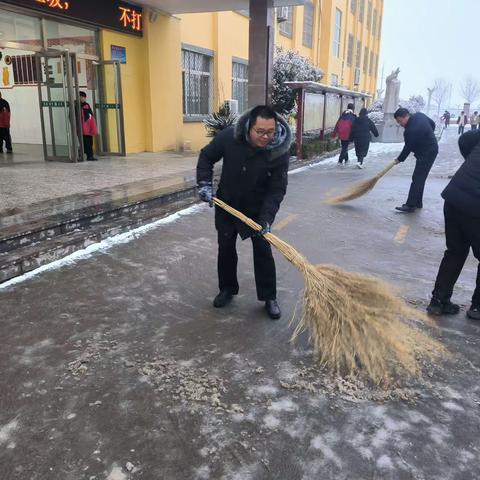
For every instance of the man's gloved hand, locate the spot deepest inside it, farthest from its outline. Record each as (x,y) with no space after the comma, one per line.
(205,192)
(397,161)
(266,228)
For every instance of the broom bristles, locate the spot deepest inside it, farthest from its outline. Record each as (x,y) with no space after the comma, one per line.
(354,322)
(360,188)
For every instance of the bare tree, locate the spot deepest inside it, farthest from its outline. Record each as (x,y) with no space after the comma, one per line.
(440,91)
(470,89)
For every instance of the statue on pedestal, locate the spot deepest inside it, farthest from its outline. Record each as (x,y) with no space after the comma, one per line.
(392,93)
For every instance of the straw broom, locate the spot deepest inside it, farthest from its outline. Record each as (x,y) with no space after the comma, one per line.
(355,323)
(361,188)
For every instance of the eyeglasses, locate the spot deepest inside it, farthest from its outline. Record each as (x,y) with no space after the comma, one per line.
(264,133)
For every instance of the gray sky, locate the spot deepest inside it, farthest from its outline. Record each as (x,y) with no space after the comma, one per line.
(428,39)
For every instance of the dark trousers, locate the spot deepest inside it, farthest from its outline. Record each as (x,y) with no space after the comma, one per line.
(474,126)
(88,145)
(419,177)
(461,129)
(263,262)
(344,152)
(5,137)
(461,232)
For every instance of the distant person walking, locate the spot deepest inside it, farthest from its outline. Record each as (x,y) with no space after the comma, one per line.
(343,129)
(5,125)
(446,118)
(462,120)
(474,121)
(362,129)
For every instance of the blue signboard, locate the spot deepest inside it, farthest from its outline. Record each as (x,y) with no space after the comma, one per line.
(118,53)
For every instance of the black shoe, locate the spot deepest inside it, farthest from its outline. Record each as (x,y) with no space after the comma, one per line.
(92,159)
(222,299)
(437,307)
(473,312)
(273,310)
(9,151)
(405,208)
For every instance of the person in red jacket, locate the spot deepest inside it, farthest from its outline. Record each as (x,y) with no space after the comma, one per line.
(89,127)
(5,125)
(343,129)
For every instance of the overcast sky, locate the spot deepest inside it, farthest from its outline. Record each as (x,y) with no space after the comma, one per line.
(428,39)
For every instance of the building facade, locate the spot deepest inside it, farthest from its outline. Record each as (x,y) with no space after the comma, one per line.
(152,78)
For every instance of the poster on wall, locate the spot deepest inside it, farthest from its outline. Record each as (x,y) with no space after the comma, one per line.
(6,70)
(118,53)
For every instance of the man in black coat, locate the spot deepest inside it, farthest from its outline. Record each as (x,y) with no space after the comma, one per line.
(420,139)
(462,229)
(254,180)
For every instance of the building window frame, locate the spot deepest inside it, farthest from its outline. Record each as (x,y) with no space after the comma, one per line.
(353,7)
(308,19)
(374,22)
(351,41)
(371,65)
(358,57)
(337,33)
(286,28)
(240,83)
(366,53)
(361,13)
(369,16)
(197,76)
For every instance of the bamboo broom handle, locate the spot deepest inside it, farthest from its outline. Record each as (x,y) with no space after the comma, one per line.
(386,169)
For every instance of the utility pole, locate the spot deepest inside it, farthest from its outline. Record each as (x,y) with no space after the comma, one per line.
(430,91)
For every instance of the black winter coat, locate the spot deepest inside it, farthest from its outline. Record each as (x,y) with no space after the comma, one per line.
(253,180)
(463,191)
(419,137)
(362,126)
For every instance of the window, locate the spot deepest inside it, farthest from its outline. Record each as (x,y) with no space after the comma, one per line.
(379,25)
(358,58)
(197,83)
(369,15)
(286,27)
(240,85)
(350,50)
(24,70)
(374,25)
(371,64)
(362,10)
(334,80)
(376,65)
(365,61)
(353,6)
(308,15)
(337,35)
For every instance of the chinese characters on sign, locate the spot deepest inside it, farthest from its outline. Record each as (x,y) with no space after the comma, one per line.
(131,18)
(59,4)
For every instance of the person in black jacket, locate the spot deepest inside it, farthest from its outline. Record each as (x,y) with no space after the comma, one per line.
(254,180)
(420,139)
(462,229)
(361,128)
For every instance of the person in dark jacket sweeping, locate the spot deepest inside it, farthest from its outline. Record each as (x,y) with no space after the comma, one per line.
(462,229)
(254,180)
(420,139)
(343,129)
(361,128)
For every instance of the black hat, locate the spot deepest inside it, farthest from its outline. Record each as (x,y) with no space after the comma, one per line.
(468,141)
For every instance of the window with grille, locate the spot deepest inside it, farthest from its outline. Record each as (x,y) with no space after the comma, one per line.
(286,27)
(374,24)
(308,15)
(369,15)
(362,10)
(365,61)
(240,85)
(371,63)
(337,35)
(350,49)
(358,58)
(353,7)
(197,83)
(24,70)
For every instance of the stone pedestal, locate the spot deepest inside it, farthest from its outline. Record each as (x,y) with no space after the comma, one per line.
(389,131)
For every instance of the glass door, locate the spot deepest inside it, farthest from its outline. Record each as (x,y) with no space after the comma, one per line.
(59,107)
(108,106)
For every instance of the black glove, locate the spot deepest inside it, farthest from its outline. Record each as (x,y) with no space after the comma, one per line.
(205,192)
(266,228)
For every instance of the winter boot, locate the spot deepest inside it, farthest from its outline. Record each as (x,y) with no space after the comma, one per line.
(438,307)
(222,299)
(474,312)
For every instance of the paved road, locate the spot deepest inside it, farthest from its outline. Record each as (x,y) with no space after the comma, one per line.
(119,357)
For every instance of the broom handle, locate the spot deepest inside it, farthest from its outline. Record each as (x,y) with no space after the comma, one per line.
(386,169)
(237,214)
